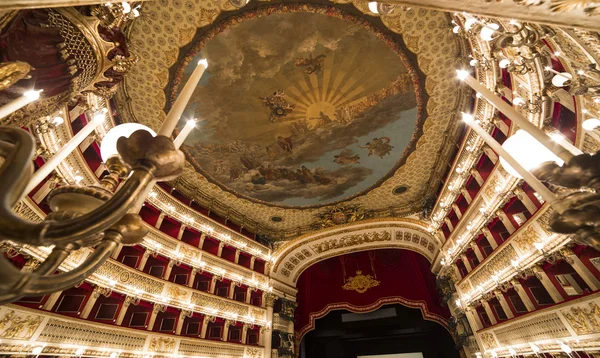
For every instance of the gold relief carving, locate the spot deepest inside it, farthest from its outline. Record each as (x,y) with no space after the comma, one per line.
(11,72)
(257,314)
(488,341)
(527,238)
(162,345)
(351,240)
(219,304)
(176,292)
(16,327)
(360,283)
(270,299)
(254,352)
(583,320)
(188,252)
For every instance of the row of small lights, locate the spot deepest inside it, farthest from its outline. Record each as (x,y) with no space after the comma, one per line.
(201,265)
(534,348)
(137,293)
(190,221)
(472,228)
(506,271)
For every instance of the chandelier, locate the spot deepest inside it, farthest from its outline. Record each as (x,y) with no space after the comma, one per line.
(99,217)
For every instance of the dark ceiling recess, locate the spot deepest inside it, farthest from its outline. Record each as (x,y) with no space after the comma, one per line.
(400,189)
(403,332)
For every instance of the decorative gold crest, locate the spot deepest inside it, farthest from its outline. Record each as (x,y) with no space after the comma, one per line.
(360,283)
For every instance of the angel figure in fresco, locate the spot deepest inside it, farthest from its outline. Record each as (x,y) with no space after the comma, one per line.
(285,143)
(311,65)
(379,147)
(278,105)
(346,157)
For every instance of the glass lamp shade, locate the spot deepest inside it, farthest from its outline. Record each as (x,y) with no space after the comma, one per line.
(527,151)
(590,124)
(560,79)
(373,7)
(487,31)
(108,147)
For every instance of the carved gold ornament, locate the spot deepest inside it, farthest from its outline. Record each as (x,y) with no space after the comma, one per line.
(360,283)
(11,72)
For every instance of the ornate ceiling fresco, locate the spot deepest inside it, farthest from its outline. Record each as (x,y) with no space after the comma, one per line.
(301,106)
(298,121)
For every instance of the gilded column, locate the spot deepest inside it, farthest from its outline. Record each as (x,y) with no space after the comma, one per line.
(547,283)
(220,250)
(580,268)
(181,231)
(456,210)
(128,301)
(477,251)
(245,332)
(506,221)
(192,278)
(488,310)
(473,319)
(51,301)
(93,298)
(155,310)
(505,306)
(449,223)
(204,328)
(524,198)
(269,303)
(201,243)
(252,260)
(167,273)
(466,262)
(467,196)
(490,237)
(225,336)
(523,295)
(213,284)
(159,221)
(490,154)
(237,256)
(143,261)
(182,315)
(231,290)
(478,178)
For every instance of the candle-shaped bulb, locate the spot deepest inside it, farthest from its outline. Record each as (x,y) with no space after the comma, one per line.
(32,95)
(100,115)
(462,74)
(191,122)
(468,118)
(203,62)
(373,7)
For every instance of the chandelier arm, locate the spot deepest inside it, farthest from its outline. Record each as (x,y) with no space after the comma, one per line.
(16,284)
(47,233)
(52,262)
(45,285)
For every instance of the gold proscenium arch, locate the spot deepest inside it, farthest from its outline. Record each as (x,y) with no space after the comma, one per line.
(291,259)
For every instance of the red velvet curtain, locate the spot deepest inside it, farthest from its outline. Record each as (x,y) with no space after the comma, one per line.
(404,277)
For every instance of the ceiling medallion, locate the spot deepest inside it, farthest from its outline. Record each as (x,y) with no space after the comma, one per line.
(360,283)
(343,215)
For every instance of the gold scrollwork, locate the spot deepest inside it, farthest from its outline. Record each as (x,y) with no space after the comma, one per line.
(360,283)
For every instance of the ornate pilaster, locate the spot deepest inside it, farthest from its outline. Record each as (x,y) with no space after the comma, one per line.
(155,310)
(580,268)
(541,275)
(524,198)
(488,310)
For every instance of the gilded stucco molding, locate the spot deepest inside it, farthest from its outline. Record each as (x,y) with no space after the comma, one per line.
(576,322)
(298,254)
(22,329)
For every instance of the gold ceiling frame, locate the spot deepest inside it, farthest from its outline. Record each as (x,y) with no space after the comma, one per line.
(297,255)
(254,216)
